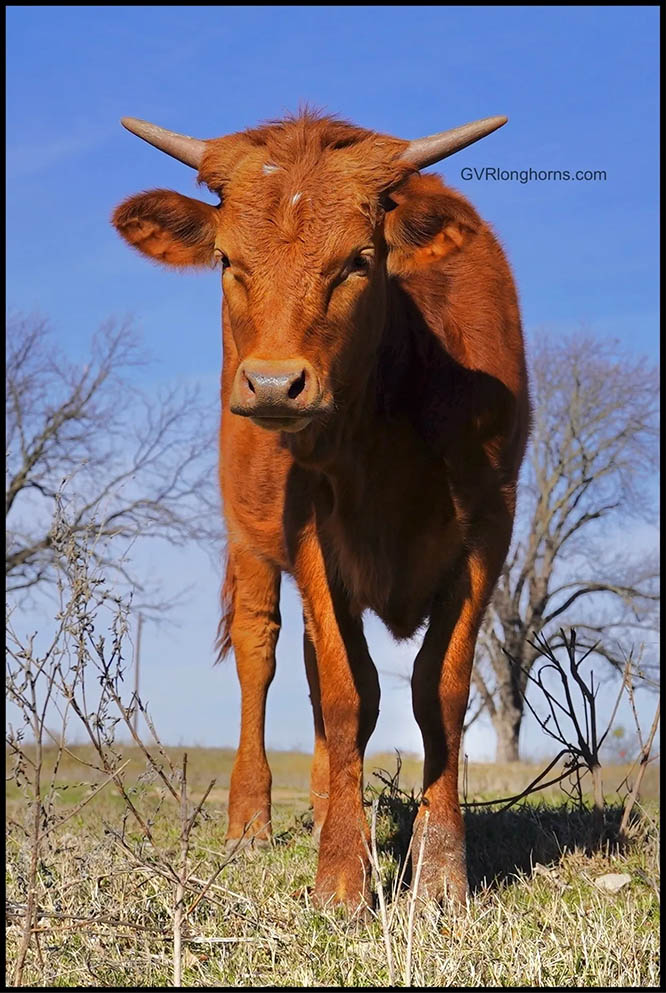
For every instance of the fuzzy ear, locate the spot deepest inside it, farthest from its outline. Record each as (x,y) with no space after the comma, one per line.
(168,227)
(428,223)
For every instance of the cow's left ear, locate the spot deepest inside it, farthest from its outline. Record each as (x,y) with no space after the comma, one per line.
(425,223)
(168,227)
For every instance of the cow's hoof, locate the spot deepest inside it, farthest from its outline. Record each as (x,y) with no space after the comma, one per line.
(443,873)
(233,846)
(353,895)
(352,907)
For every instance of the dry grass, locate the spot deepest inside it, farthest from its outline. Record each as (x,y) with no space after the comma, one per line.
(535,916)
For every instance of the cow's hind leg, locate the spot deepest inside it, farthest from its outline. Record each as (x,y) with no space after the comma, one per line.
(319,782)
(254,629)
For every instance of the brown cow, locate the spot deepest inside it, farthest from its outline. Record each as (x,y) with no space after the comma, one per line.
(374,418)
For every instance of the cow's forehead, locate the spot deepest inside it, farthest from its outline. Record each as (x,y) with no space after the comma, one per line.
(310,180)
(268,206)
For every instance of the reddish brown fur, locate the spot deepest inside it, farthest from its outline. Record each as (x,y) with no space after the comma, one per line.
(400,496)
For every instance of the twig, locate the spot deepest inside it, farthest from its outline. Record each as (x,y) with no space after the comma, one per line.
(376,870)
(398,885)
(532,788)
(99,748)
(632,797)
(36,836)
(19,912)
(412,905)
(81,805)
(182,877)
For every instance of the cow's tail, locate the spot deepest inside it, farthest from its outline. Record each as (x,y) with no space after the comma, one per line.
(227,598)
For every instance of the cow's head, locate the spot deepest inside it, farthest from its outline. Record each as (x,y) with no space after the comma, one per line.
(305,232)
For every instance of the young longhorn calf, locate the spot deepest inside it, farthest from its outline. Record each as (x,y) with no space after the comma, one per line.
(374,418)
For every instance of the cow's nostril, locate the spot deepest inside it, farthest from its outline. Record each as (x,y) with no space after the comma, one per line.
(297,386)
(250,383)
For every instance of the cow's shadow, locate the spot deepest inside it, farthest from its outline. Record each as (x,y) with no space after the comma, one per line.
(503,845)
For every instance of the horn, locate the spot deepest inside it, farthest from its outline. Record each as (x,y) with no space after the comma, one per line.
(180,146)
(423,152)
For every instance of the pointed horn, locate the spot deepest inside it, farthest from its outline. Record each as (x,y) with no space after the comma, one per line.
(180,146)
(423,152)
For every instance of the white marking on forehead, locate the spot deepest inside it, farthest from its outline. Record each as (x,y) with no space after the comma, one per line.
(269,168)
(296,197)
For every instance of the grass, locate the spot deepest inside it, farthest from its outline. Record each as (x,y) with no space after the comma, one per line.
(535,915)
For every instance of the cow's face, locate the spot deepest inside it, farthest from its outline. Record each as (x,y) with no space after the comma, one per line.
(304,268)
(303,259)
(303,233)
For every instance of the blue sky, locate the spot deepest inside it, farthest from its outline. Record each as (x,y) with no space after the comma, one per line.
(579,85)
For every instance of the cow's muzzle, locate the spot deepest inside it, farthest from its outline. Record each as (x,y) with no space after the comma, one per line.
(281,395)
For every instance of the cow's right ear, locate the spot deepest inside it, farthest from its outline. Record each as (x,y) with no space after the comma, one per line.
(168,227)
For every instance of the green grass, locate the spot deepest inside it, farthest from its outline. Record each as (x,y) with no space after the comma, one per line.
(535,916)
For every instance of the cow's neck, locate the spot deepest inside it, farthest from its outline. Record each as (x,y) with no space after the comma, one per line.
(388,395)
(328,448)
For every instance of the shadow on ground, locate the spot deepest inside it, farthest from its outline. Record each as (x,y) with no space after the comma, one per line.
(502,844)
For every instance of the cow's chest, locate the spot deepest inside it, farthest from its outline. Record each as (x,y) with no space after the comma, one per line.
(392,532)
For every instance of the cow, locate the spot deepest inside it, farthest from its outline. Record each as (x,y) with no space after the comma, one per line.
(375,413)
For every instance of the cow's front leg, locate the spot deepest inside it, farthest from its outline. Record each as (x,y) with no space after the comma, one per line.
(255,626)
(440,690)
(349,693)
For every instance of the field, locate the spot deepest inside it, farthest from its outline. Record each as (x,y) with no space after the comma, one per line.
(537,914)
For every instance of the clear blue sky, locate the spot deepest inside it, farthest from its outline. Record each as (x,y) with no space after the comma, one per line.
(579,85)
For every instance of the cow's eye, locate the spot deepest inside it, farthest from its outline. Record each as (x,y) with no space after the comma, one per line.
(359,264)
(221,259)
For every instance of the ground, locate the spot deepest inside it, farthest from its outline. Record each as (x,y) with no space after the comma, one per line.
(537,915)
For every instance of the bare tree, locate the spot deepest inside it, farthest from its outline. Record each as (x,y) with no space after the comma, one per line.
(128,464)
(590,470)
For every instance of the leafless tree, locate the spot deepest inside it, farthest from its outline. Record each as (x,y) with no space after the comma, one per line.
(590,471)
(128,463)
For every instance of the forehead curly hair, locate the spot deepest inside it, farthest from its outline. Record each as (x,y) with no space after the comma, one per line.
(301,146)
